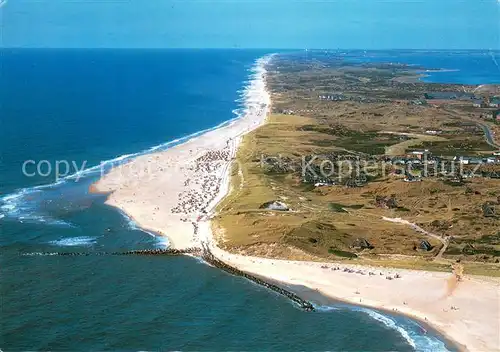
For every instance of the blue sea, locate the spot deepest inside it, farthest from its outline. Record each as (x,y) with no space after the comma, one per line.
(103,107)
(457,67)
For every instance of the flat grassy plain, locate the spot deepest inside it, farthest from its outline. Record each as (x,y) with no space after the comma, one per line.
(323,223)
(330,222)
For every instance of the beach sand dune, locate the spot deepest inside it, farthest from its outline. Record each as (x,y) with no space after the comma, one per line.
(174,192)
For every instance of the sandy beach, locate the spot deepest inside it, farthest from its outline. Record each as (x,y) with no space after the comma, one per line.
(174,193)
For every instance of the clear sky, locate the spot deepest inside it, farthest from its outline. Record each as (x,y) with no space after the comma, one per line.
(361,24)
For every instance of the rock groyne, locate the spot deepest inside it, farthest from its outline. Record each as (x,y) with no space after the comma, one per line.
(211,259)
(203,253)
(141,252)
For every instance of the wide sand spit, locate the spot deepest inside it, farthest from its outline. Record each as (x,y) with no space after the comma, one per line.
(174,193)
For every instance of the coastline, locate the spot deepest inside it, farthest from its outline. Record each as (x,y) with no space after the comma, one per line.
(419,295)
(174,192)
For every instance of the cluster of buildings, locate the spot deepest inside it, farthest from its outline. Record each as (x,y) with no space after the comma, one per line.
(413,167)
(478,102)
(474,160)
(417,157)
(332,97)
(421,163)
(358,99)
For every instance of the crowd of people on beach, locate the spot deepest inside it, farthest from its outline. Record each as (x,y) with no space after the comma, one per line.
(361,272)
(195,200)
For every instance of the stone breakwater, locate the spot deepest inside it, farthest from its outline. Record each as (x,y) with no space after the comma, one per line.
(211,259)
(144,252)
(205,254)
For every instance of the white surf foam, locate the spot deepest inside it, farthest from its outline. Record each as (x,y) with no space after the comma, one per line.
(325,308)
(75,241)
(161,241)
(390,324)
(43,219)
(19,204)
(415,337)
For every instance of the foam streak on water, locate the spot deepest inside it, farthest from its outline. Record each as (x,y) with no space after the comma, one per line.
(24,204)
(409,330)
(414,334)
(84,241)
(161,241)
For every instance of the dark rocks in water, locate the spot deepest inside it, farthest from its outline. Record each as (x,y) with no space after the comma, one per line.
(167,251)
(210,258)
(275,205)
(142,252)
(425,245)
(361,243)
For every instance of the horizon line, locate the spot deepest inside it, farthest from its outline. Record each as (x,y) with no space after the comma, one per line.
(241,48)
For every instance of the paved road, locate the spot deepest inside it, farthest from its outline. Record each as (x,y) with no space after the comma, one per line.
(488,135)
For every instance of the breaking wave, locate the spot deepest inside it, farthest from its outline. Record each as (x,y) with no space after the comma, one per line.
(84,241)
(25,204)
(324,308)
(411,331)
(160,241)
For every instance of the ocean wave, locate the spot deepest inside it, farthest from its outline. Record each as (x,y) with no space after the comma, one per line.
(390,324)
(325,308)
(84,241)
(160,241)
(14,206)
(412,332)
(20,205)
(42,219)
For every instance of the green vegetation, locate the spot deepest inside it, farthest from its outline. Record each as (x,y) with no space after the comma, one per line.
(330,222)
(460,146)
(343,254)
(339,208)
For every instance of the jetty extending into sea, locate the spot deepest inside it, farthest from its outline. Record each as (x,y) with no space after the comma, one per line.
(205,254)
